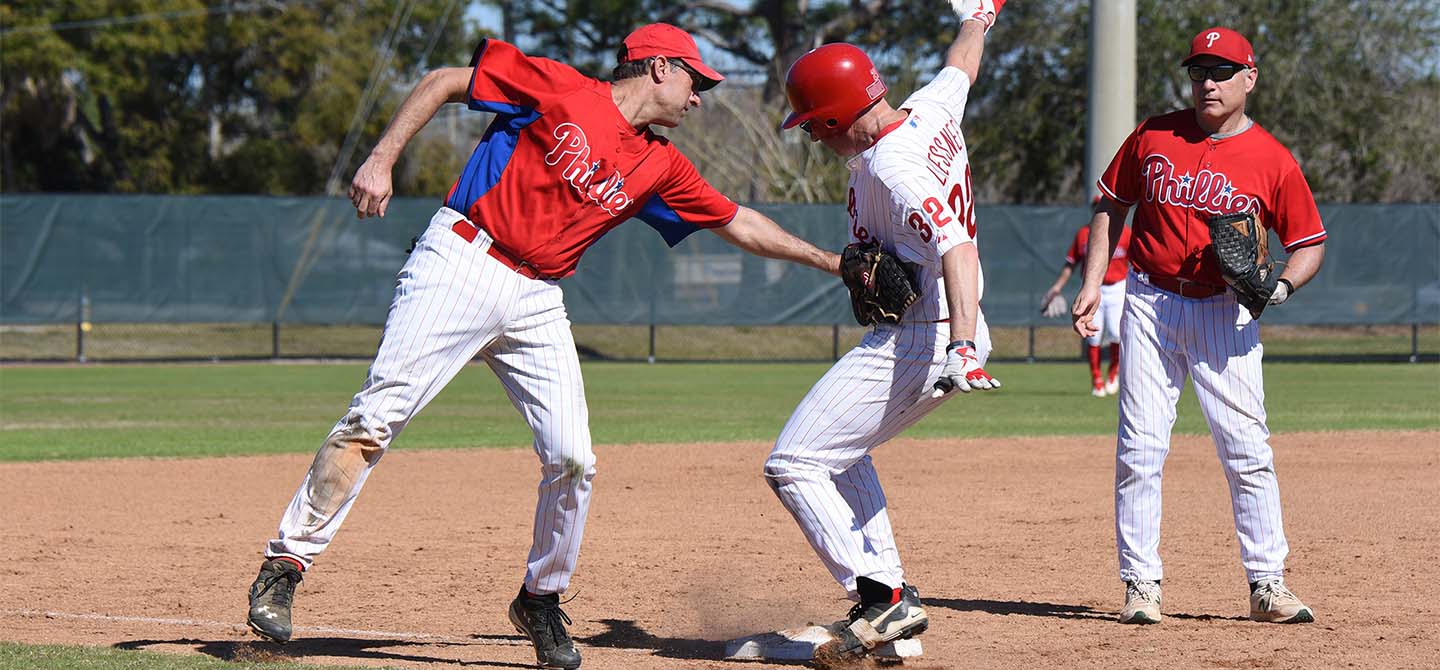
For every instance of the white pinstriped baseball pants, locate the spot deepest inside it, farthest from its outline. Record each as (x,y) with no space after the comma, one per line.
(453,302)
(820,466)
(1214,341)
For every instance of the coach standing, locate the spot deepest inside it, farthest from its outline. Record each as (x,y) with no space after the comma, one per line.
(1178,170)
(566,159)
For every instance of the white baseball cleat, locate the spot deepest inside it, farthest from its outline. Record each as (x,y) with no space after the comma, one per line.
(1142,603)
(1271,602)
(1112,387)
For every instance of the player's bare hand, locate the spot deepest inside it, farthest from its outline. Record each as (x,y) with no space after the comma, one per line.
(370,190)
(1082,313)
(962,371)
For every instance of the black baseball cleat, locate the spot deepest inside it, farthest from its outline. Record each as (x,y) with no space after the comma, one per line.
(541,619)
(270,597)
(872,624)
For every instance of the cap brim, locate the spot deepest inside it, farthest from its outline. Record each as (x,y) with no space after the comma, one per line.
(712,78)
(1192,57)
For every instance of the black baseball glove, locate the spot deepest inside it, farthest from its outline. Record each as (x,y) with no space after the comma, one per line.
(1241,246)
(881,287)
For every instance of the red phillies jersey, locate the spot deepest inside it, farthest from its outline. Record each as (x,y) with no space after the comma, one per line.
(560,166)
(1178,175)
(1119,262)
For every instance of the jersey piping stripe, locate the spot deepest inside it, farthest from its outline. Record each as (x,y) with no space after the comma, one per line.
(1307,241)
(1111,194)
(490,158)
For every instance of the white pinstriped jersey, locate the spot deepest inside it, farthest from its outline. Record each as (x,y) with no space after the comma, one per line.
(912,191)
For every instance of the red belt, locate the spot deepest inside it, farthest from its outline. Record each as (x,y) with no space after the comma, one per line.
(1185,287)
(467,230)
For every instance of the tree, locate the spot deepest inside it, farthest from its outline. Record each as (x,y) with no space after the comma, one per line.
(145,96)
(1350,86)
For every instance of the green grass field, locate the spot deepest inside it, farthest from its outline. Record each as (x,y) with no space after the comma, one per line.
(231,409)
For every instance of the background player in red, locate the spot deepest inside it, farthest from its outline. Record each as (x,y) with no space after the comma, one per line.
(566,159)
(1177,170)
(1112,300)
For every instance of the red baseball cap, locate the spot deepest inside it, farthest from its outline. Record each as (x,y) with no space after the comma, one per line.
(1221,43)
(663,39)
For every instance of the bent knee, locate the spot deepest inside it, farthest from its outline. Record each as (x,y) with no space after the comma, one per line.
(785,468)
(569,466)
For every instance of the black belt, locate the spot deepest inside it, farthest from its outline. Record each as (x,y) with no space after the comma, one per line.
(1185,287)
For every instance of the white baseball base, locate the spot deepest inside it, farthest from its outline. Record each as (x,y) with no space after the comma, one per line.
(798,644)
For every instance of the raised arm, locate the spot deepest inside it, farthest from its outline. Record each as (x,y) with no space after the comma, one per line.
(370,190)
(976,17)
(758,234)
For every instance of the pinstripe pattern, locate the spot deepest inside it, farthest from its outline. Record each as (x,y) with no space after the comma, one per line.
(820,466)
(891,180)
(454,302)
(1216,344)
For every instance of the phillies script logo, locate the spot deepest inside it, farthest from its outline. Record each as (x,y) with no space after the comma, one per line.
(571,143)
(1207,191)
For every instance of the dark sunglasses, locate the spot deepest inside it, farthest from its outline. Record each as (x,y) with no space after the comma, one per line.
(1222,72)
(695,78)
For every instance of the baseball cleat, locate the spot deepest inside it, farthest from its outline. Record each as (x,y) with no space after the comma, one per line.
(1097,389)
(270,598)
(870,625)
(541,619)
(1142,602)
(1271,602)
(1112,387)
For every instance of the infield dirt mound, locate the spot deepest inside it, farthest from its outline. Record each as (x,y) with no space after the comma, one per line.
(1009,541)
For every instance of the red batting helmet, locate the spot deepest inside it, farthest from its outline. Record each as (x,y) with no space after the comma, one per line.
(830,87)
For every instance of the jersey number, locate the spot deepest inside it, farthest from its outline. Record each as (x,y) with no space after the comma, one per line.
(962,202)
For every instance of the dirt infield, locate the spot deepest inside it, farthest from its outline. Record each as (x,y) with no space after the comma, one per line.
(1009,541)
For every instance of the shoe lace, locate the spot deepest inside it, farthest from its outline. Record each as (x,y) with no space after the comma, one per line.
(283,595)
(551,618)
(1274,590)
(1145,591)
(857,611)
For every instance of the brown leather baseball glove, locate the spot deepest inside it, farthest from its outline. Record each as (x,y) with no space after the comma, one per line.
(881,287)
(1242,248)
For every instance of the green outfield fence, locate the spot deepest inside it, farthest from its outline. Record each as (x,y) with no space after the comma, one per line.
(117,278)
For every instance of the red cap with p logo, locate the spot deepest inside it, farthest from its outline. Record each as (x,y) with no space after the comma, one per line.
(1221,43)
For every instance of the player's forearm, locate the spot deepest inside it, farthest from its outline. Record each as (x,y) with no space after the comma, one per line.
(1106,227)
(1303,265)
(960,267)
(756,233)
(1097,251)
(966,50)
(1065,273)
(434,90)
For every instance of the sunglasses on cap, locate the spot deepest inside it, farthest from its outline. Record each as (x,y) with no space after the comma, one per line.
(1221,72)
